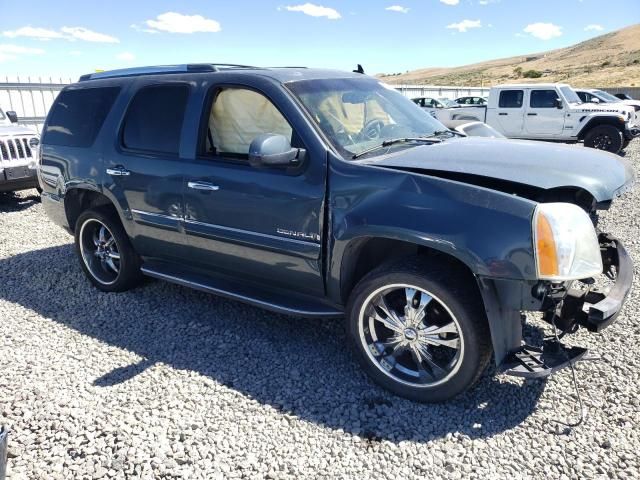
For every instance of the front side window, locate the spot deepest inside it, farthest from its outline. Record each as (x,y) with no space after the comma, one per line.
(543,99)
(511,98)
(153,122)
(356,114)
(77,116)
(606,97)
(239,115)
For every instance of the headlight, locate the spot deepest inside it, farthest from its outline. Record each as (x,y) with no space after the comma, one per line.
(566,244)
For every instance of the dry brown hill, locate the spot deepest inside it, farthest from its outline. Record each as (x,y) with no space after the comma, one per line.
(612,59)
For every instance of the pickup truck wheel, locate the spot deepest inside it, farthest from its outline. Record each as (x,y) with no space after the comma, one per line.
(419,330)
(604,137)
(105,252)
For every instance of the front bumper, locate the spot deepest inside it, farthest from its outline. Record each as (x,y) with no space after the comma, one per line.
(13,179)
(592,308)
(632,132)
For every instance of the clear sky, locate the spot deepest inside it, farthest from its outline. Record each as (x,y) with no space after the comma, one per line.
(45,37)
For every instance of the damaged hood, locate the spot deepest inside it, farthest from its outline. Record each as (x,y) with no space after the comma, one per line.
(12,129)
(535,164)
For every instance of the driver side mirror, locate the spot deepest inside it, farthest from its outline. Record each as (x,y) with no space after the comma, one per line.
(559,104)
(595,100)
(270,150)
(12,116)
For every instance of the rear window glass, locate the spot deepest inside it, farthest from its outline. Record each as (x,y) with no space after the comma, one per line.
(511,99)
(78,115)
(154,119)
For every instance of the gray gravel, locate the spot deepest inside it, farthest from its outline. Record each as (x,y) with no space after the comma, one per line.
(165,382)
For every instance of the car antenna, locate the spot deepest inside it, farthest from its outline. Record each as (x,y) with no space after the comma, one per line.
(359,69)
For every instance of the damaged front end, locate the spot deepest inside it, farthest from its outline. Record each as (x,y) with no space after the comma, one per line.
(571,305)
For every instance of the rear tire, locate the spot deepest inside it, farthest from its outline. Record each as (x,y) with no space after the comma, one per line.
(105,252)
(604,137)
(419,329)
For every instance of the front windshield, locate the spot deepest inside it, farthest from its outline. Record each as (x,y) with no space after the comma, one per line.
(607,97)
(569,95)
(357,114)
(448,103)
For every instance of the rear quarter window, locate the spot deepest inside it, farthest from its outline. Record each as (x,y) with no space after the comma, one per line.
(77,116)
(511,99)
(153,121)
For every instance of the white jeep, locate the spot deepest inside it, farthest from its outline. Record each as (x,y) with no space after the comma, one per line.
(552,112)
(18,154)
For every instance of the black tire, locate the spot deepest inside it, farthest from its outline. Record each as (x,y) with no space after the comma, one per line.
(450,287)
(625,143)
(604,137)
(107,279)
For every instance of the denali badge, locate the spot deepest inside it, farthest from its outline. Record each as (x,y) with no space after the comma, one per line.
(299,235)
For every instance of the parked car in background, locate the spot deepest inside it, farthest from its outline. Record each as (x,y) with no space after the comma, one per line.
(19,148)
(551,112)
(435,105)
(327,194)
(623,96)
(471,100)
(593,95)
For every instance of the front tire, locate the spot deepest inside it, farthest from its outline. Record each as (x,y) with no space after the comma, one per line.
(105,252)
(604,137)
(419,330)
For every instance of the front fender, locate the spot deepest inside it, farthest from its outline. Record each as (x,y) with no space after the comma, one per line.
(489,231)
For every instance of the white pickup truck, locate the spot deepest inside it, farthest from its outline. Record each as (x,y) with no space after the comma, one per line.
(18,154)
(551,112)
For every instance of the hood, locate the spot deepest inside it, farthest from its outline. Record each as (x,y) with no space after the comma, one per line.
(540,165)
(13,129)
(601,107)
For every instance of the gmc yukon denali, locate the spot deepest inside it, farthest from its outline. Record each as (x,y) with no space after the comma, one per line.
(326,194)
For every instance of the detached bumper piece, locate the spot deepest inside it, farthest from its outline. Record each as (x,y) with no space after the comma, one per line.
(535,362)
(593,309)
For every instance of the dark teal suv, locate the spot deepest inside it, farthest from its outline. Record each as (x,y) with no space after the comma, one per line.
(328,194)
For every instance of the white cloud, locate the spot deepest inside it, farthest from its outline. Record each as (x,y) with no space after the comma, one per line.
(397,8)
(543,31)
(9,51)
(33,32)
(126,56)
(75,53)
(593,27)
(67,33)
(81,33)
(315,10)
(138,28)
(465,25)
(450,2)
(174,22)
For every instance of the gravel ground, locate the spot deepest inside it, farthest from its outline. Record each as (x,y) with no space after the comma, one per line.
(165,382)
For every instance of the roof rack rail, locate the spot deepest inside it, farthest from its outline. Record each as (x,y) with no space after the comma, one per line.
(162,69)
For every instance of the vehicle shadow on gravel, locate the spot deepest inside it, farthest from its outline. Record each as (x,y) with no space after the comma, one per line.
(297,366)
(10,202)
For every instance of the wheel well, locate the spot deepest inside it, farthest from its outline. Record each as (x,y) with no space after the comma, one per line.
(575,195)
(364,255)
(596,122)
(78,200)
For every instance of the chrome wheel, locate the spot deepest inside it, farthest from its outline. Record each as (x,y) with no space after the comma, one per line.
(602,142)
(411,335)
(100,252)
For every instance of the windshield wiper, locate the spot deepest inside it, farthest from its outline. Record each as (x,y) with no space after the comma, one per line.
(394,141)
(437,133)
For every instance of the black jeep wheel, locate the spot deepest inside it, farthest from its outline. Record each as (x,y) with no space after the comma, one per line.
(105,252)
(419,330)
(604,137)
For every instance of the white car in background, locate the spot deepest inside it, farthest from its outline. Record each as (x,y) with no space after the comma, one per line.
(19,148)
(592,95)
(436,106)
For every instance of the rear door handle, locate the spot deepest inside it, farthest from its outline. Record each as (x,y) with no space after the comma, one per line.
(501,113)
(118,171)
(532,114)
(203,186)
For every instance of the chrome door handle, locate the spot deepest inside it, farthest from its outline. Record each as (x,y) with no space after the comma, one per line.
(118,172)
(203,186)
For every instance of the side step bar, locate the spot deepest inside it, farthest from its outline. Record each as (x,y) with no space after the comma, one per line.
(275,301)
(535,362)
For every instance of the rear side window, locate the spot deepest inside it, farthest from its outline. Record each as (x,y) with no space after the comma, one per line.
(511,99)
(154,119)
(78,115)
(543,99)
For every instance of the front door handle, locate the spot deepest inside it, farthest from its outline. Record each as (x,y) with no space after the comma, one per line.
(118,171)
(532,114)
(203,186)
(502,113)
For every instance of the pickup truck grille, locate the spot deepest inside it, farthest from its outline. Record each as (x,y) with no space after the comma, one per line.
(16,148)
